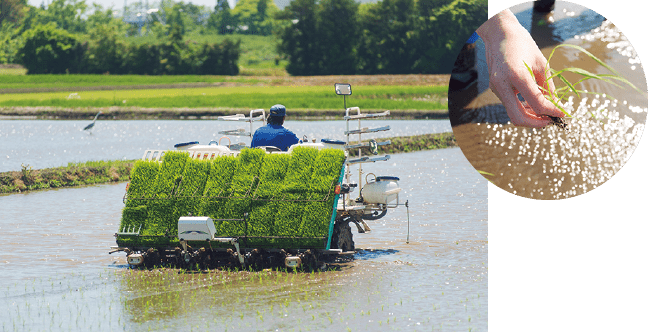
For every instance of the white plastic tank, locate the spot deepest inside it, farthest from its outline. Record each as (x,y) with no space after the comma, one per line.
(383,190)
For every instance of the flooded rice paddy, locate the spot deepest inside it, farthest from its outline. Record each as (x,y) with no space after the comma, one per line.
(57,273)
(607,120)
(52,143)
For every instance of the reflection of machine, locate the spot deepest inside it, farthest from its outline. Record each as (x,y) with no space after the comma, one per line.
(199,241)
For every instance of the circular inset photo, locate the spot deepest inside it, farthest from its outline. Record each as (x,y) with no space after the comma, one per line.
(547,100)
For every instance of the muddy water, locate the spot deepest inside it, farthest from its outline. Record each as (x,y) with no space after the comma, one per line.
(56,272)
(606,125)
(45,143)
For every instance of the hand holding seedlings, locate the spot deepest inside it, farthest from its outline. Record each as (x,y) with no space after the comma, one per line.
(508,48)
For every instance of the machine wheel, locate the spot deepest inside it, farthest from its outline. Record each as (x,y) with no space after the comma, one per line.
(342,236)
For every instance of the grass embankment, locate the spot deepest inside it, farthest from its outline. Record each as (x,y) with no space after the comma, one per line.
(74,174)
(11,70)
(46,82)
(94,172)
(11,82)
(303,97)
(301,101)
(405,144)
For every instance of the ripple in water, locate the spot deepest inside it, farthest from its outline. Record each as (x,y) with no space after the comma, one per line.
(552,163)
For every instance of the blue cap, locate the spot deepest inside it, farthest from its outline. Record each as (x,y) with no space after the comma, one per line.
(278,110)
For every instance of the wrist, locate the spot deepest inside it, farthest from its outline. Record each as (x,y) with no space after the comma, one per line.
(498,26)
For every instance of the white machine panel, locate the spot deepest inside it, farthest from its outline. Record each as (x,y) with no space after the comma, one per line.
(196,229)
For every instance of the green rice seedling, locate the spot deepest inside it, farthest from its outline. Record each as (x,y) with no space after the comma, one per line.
(242,186)
(144,173)
(300,170)
(264,207)
(289,215)
(135,213)
(287,195)
(194,177)
(162,219)
(217,187)
(134,216)
(316,218)
(244,180)
(326,170)
(233,212)
(272,175)
(295,191)
(318,210)
(569,88)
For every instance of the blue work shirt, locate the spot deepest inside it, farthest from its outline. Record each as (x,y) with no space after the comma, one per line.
(274,135)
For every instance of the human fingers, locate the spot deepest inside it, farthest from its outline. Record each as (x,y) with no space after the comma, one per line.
(519,114)
(528,88)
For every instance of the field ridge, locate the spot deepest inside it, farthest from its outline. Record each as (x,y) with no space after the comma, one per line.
(211,113)
(98,172)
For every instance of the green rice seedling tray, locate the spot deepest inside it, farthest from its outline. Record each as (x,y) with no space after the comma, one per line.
(265,200)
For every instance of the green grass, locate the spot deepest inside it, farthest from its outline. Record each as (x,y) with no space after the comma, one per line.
(16,81)
(74,174)
(302,97)
(11,72)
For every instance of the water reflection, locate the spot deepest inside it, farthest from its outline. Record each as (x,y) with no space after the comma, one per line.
(607,119)
(437,281)
(45,143)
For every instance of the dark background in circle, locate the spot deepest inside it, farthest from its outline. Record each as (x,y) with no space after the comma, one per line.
(543,256)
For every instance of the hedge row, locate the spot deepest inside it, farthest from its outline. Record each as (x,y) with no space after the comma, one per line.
(284,195)
(49,50)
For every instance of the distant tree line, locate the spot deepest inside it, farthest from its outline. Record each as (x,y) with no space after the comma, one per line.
(47,49)
(62,38)
(388,37)
(317,37)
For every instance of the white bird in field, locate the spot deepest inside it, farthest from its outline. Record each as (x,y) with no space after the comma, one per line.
(88,127)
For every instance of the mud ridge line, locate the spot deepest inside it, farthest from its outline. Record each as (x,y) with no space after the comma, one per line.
(28,179)
(140,113)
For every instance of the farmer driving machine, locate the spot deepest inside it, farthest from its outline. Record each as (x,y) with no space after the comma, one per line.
(217,205)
